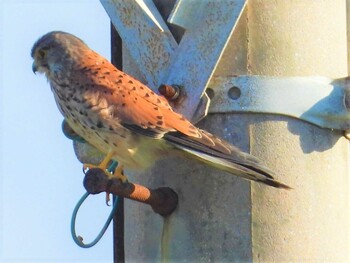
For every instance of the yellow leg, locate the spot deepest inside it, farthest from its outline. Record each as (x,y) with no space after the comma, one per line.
(103,165)
(119,173)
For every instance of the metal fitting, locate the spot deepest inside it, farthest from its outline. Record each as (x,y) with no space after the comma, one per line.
(163,200)
(170,92)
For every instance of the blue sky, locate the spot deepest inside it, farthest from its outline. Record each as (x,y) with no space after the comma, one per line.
(40,177)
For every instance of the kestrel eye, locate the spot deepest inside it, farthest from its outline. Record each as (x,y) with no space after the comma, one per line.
(42,53)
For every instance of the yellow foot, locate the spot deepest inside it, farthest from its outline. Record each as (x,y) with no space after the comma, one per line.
(87,166)
(119,173)
(103,165)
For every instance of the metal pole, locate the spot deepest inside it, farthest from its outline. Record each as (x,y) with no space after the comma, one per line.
(311,223)
(118,219)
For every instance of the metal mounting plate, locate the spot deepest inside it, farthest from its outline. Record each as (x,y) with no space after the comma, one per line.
(318,100)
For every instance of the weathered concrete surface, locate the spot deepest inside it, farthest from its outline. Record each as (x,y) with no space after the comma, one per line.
(311,222)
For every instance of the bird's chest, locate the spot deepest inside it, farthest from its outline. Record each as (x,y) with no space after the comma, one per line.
(93,122)
(97,126)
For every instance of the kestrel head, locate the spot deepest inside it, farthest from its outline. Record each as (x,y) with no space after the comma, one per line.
(56,51)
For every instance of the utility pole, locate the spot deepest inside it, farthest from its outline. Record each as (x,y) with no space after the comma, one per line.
(221,218)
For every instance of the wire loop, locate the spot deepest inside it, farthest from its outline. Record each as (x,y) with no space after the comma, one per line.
(79,239)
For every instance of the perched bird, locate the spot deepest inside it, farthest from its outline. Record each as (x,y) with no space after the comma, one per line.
(125,119)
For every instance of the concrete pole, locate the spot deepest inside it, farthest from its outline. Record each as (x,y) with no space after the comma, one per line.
(213,220)
(310,223)
(222,218)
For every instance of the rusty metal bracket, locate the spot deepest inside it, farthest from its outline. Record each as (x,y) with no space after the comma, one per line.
(163,200)
(321,101)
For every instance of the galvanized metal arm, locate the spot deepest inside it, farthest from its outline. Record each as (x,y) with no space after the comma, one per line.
(158,59)
(321,101)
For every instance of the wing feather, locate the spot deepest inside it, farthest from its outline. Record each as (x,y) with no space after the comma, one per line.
(134,103)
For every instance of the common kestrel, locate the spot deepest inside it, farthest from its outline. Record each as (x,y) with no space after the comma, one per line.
(125,119)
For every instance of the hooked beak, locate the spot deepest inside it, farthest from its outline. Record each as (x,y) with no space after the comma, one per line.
(34,67)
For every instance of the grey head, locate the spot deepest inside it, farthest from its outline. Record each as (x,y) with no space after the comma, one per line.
(55,50)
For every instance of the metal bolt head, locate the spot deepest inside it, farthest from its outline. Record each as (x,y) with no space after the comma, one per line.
(170,92)
(234,93)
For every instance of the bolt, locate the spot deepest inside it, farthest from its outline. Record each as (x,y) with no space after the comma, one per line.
(170,92)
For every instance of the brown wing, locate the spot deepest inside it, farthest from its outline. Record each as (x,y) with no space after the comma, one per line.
(129,102)
(133,102)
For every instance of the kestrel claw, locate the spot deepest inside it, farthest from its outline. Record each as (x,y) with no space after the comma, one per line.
(125,119)
(104,166)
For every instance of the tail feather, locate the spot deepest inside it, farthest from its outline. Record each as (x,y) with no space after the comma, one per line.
(224,156)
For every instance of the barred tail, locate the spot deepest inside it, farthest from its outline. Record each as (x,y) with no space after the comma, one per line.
(224,156)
